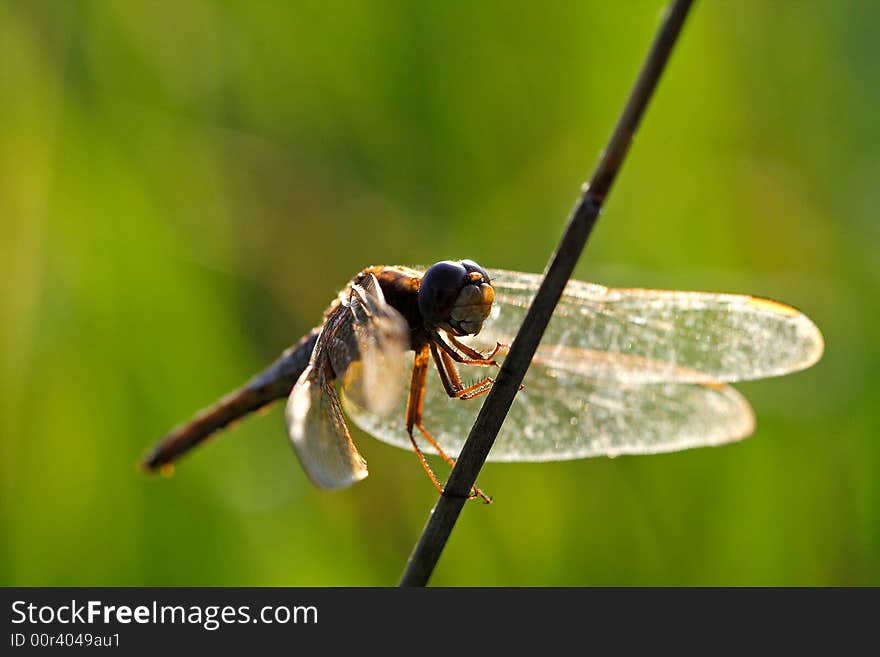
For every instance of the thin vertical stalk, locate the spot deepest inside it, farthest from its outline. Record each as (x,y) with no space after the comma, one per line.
(443,517)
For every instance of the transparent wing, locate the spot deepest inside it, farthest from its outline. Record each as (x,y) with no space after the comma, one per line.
(562,415)
(380,336)
(653,336)
(319,434)
(621,371)
(362,343)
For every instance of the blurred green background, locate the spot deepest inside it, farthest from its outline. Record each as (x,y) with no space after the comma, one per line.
(184,186)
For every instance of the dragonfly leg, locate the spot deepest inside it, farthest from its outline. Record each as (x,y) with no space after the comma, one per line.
(471,356)
(425,465)
(414,409)
(452,380)
(476,358)
(479,389)
(475,492)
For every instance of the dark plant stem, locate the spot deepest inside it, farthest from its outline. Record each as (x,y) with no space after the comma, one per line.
(482,435)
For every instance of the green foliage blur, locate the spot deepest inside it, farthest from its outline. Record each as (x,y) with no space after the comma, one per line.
(184,186)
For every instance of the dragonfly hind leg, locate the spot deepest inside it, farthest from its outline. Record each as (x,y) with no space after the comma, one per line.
(475,492)
(414,408)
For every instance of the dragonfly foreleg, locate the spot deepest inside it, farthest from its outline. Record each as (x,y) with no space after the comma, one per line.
(471,356)
(474,357)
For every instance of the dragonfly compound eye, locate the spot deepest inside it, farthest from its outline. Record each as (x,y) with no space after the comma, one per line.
(456,296)
(472,266)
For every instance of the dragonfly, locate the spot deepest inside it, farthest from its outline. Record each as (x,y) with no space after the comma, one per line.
(619,371)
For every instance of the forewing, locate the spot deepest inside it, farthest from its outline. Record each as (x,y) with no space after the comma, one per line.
(319,434)
(621,371)
(382,336)
(652,336)
(562,415)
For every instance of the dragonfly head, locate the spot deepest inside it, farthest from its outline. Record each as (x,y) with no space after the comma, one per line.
(456,296)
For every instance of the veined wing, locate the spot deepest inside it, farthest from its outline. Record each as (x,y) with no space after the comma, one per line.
(622,372)
(362,342)
(653,336)
(382,337)
(319,434)
(560,415)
